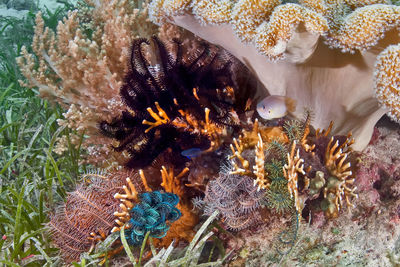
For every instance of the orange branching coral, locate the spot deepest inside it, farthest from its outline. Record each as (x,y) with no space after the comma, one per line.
(304,141)
(129,199)
(325,132)
(291,170)
(387,80)
(255,139)
(214,132)
(183,228)
(259,167)
(250,138)
(244,169)
(339,185)
(310,38)
(335,153)
(160,118)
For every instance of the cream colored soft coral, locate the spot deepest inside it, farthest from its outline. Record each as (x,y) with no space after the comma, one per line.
(320,52)
(81,66)
(387,80)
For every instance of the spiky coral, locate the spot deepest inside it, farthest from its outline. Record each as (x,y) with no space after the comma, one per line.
(291,170)
(182,230)
(255,139)
(313,167)
(180,102)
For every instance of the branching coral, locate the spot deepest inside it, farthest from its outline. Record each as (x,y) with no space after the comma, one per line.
(85,70)
(315,73)
(182,230)
(313,168)
(291,170)
(81,65)
(179,102)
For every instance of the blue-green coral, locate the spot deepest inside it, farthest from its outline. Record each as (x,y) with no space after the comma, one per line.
(153,214)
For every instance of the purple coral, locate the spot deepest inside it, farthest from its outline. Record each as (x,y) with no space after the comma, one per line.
(237,200)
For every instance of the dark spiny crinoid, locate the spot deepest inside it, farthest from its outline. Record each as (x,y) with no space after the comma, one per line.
(174,93)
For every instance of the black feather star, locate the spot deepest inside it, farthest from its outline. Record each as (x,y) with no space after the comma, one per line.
(169,103)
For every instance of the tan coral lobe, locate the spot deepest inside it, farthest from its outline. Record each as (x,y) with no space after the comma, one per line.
(321,53)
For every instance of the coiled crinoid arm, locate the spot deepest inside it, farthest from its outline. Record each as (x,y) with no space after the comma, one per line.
(175,100)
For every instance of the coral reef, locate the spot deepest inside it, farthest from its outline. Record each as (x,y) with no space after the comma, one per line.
(166,100)
(368,235)
(321,53)
(283,170)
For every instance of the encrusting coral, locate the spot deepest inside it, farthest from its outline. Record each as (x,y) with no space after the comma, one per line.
(321,53)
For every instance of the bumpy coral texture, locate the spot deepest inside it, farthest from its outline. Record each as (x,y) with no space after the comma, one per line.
(320,52)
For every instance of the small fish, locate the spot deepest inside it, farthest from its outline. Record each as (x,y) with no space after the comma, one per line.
(275,106)
(192,152)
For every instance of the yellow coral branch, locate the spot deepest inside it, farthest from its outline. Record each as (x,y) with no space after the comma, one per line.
(160,118)
(172,183)
(128,201)
(245,165)
(259,169)
(290,171)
